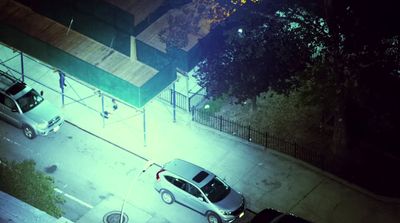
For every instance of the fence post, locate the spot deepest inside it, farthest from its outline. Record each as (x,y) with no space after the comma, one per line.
(220,123)
(266,140)
(173,92)
(193,113)
(249,134)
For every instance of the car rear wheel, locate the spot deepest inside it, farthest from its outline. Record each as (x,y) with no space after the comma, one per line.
(213,218)
(167,197)
(28,131)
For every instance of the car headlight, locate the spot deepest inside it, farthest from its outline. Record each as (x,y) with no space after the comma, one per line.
(42,125)
(225,212)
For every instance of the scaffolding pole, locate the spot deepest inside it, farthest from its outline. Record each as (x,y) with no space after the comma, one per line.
(22,66)
(144,127)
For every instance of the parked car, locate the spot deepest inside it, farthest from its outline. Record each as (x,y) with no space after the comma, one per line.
(274,216)
(25,108)
(200,190)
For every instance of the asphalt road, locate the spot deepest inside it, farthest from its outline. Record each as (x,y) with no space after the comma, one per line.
(87,170)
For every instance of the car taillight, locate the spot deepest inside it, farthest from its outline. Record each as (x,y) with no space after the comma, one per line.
(158,174)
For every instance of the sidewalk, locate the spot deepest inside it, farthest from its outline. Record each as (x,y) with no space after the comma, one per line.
(113,205)
(266,178)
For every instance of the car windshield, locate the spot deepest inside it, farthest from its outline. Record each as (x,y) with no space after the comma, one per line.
(29,100)
(216,190)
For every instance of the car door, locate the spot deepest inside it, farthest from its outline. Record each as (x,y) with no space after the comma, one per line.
(194,198)
(177,188)
(9,110)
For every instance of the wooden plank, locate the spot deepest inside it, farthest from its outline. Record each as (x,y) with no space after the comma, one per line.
(76,44)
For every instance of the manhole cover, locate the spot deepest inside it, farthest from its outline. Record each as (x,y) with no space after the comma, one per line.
(115,217)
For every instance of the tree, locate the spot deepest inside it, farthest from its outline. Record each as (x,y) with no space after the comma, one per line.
(329,52)
(190,18)
(255,54)
(22,181)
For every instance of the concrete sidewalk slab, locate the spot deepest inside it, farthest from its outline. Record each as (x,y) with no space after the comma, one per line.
(113,203)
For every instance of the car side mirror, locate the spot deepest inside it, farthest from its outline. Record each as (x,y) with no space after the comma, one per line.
(14,110)
(201,198)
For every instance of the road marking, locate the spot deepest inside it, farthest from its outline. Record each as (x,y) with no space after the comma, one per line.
(73,198)
(11,141)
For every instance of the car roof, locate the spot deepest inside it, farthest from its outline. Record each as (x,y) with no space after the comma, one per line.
(189,171)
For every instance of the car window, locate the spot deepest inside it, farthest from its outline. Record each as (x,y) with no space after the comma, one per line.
(193,190)
(216,190)
(9,103)
(29,100)
(177,182)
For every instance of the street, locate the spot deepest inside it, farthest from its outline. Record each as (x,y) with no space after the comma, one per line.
(89,171)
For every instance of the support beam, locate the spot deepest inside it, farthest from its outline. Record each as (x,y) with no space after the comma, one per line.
(174,102)
(22,66)
(62,85)
(103,113)
(144,127)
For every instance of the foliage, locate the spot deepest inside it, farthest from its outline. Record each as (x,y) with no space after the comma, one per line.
(332,53)
(254,56)
(215,105)
(193,18)
(22,181)
(280,115)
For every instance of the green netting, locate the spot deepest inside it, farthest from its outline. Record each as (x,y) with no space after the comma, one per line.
(158,83)
(151,56)
(183,60)
(86,72)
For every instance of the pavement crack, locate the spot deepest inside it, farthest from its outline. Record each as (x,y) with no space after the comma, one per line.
(306,195)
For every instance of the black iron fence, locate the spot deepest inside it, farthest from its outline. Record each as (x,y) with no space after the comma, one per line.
(259,137)
(181,100)
(197,98)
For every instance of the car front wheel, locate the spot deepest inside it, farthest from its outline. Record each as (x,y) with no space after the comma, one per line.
(213,218)
(28,131)
(167,197)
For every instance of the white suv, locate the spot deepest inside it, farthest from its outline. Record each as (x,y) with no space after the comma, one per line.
(25,108)
(200,190)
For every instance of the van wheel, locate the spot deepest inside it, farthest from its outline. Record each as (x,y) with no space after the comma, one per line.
(167,197)
(28,132)
(213,218)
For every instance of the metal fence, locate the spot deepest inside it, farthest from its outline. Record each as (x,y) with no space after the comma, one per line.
(181,100)
(197,98)
(259,137)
